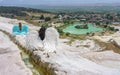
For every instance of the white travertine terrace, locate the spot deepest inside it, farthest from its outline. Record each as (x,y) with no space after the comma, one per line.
(70,59)
(10,59)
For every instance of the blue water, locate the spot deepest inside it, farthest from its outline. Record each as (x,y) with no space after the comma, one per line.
(17,31)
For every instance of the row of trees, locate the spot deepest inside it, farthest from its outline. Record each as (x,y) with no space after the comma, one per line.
(106,25)
(12,11)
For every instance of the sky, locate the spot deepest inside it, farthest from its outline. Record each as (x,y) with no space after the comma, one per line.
(55,2)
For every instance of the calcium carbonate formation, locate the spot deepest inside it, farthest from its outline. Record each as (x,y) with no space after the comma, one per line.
(49,44)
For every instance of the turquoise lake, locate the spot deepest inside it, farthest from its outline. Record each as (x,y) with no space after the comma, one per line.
(91,28)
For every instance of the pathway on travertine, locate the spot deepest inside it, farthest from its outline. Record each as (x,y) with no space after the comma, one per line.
(10,59)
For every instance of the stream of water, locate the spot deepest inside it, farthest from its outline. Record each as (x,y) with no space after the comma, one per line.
(29,64)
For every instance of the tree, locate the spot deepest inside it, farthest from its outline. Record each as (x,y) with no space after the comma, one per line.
(111,18)
(67,34)
(116,29)
(93,34)
(87,33)
(47,19)
(71,22)
(107,16)
(111,28)
(33,17)
(12,16)
(107,23)
(55,17)
(42,17)
(60,31)
(105,26)
(97,23)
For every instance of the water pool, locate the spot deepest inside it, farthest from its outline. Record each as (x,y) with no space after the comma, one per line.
(91,28)
(17,31)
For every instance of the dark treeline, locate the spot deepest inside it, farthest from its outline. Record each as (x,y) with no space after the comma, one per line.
(18,11)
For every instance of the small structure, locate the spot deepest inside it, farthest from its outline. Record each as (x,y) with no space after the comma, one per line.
(116,23)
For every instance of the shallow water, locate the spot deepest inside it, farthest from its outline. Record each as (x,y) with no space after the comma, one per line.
(29,64)
(71,29)
(16,30)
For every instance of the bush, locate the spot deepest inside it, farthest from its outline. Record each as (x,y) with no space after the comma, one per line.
(97,23)
(67,34)
(105,26)
(87,33)
(46,25)
(55,17)
(42,17)
(82,26)
(111,28)
(60,31)
(116,29)
(47,19)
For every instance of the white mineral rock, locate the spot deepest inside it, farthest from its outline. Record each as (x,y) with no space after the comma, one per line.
(33,41)
(80,58)
(51,39)
(10,59)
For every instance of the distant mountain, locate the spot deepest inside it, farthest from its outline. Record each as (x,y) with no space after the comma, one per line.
(59,3)
(104,4)
(89,8)
(68,7)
